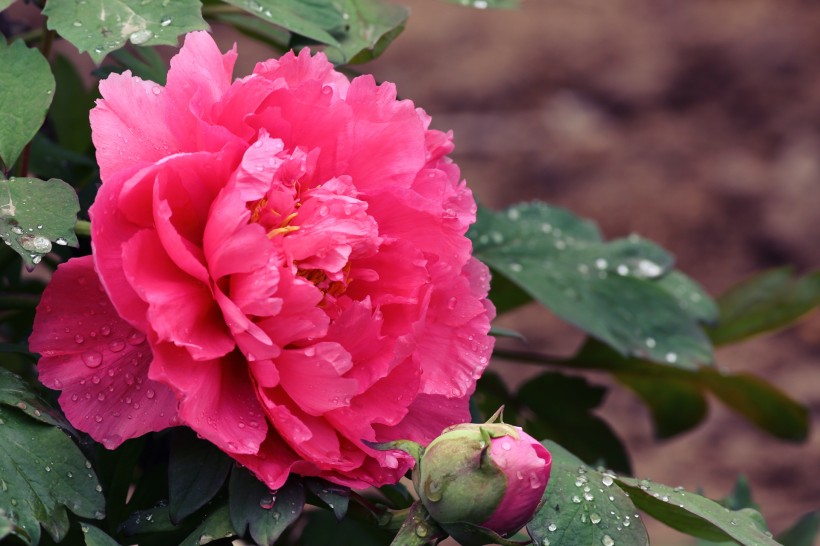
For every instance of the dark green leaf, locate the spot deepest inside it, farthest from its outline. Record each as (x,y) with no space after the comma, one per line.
(266,515)
(582,507)
(803,532)
(16,393)
(72,102)
(309,18)
(50,160)
(563,406)
(96,537)
(102,26)
(216,526)
(322,529)
(335,496)
(370,26)
(768,301)
(755,399)
(610,290)
(34,213)
(676,406)
(42,473)
(760,402)
(691,296)
(695,515)
(196,472)
(144,63)
(25,96)
(149,521)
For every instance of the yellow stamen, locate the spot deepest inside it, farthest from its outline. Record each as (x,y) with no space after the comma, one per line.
(284,230)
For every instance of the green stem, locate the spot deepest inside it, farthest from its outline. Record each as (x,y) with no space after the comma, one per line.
(82,227)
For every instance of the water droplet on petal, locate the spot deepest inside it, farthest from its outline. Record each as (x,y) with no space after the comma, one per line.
(92,359)
(116,346)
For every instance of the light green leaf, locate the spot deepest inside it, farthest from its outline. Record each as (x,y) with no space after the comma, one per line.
(370,26)
(42,473)
(264,514)
(25,95)
(614,291)
(36,213)
(95,537)
(102,26)
(695,515)
(583,507)
(309,18)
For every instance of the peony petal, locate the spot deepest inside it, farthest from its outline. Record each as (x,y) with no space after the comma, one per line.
(312,377)
(428,415)
(98,360)
(180,308)
(216,397)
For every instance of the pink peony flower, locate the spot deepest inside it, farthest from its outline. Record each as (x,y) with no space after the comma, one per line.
(279,263)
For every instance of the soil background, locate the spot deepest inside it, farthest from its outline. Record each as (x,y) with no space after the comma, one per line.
(695,123)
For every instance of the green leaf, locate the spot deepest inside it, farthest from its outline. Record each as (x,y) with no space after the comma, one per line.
(72,103)
(695,515)
(16,393)
(42,473)
(322,529)
(95,537)
(676,406)
(485,4)
(216,526)
(803,532)
(3,5)
(582,507)
(691,296)
(309,18)
(34,213)
(196,472)
(7,526)
(149,521)
(563,406)
(766,302)
(256,28)
(370,26)
(334,496)
(610,290)
(760,402)
(102,26)
(253,507)
(25,96)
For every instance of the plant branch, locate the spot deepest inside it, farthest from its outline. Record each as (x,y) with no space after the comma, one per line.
(83,227)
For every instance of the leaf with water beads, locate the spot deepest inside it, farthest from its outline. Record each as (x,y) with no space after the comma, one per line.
(263,513)
(102,26)
(42,472)
(614,291)
(336,497)
(36,213)
(584,507)
(95,537)
(696,515)
(487,4)
(16,393)
(216,526)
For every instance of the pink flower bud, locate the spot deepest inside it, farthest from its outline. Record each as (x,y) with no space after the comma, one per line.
(491,475)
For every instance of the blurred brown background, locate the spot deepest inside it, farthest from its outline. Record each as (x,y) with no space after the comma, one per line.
(695,123)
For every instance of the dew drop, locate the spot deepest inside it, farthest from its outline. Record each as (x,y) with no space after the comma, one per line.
(607,541)
(595,518)
(141,36)
(136,338)
(165,21)
(607,480)
(116,346)
(266,503)
(671,358)
(552,527)
(92,359)
(60,241)
(35,243)
(149,394)
(105,330)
